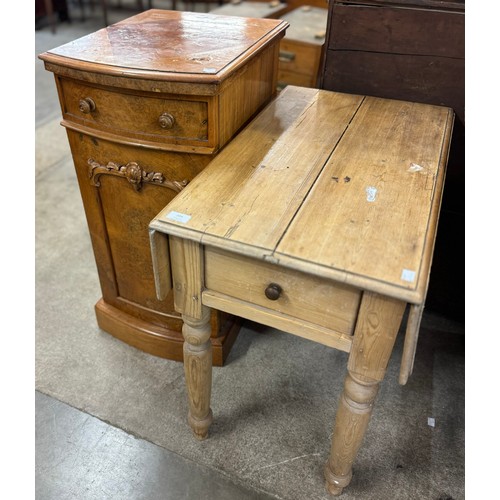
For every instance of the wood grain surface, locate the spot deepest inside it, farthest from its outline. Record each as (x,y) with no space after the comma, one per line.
(360,177)
(170,45)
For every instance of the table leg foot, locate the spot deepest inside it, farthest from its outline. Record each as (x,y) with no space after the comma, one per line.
(198,371)
(200,427)
(352,419)
(335,484)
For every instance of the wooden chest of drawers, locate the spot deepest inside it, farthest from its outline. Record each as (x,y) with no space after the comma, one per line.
(147,103)
(302,47)
(405,49)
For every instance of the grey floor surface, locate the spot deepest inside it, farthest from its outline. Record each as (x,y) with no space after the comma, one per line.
(81,457)
(100,436)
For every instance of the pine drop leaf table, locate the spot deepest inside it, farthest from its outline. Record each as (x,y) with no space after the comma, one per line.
(318,219)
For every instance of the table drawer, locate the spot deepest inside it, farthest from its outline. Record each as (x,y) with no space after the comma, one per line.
(309,298)
(152,118)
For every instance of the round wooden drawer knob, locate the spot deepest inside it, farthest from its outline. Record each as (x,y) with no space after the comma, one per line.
(86,105)
(273,291)
(166,120)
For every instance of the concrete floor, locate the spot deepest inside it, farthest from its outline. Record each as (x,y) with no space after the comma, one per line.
(79,455)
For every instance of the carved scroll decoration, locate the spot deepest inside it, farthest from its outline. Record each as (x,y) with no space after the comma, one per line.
(134,173)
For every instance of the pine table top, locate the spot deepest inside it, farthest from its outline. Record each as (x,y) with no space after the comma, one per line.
(336,185)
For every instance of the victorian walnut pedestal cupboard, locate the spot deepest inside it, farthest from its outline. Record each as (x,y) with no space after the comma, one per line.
(147,103)
(319,219)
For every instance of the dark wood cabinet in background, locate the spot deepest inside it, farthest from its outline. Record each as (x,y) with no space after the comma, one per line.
(412,50)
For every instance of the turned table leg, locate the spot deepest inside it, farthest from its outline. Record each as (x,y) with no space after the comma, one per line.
(198,370)
(376,330)
(352,419)
(187,279)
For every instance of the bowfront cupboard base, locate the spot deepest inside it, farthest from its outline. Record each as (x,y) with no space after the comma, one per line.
(162,340)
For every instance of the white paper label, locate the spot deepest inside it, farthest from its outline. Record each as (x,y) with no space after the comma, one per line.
(415,168)
(371,193)
(178,217)
(408,275)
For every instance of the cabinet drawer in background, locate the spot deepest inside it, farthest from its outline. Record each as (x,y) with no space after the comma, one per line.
(310,298)
(299,57)
(294,78)
(151,118)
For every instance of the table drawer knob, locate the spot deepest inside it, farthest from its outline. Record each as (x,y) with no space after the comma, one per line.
(166,120)
(273,291)
(86,105)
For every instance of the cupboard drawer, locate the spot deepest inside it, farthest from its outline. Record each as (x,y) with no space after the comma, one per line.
(152,118)
(302,296)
